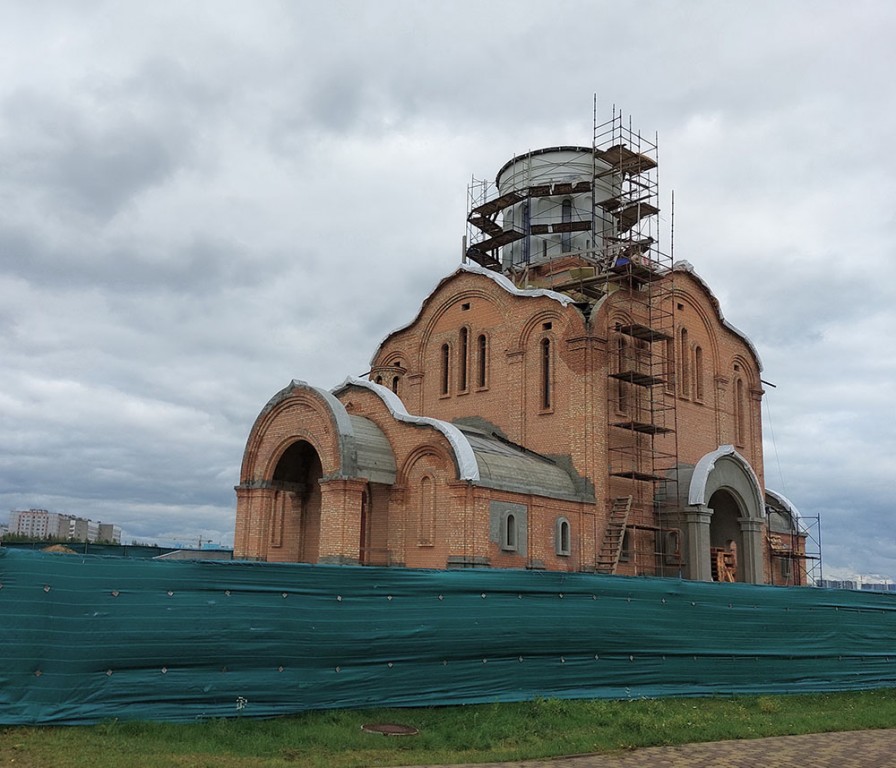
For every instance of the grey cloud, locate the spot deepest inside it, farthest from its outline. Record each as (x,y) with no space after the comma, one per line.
(201,203)
(82,164)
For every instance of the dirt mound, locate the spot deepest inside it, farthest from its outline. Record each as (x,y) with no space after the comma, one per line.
(60,548)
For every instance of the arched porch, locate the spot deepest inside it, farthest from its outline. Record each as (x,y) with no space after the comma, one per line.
(724,519)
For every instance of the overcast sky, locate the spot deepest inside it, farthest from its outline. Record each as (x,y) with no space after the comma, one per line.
(200,201)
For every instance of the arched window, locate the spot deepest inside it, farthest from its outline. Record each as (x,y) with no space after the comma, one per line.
(669,366)
(546,372)
(739,408)
(378,380)
(684,355)
(566,218)
(446,362)
(395,384)
(621,366)
(463,360)
(427,512)
(509,540)
(482,362)
(698,373)
(562,541)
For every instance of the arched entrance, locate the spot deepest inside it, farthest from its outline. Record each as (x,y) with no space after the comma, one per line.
(303,494)
(297,502)
(724,519)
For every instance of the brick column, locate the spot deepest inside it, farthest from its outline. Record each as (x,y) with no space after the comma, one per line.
(254,506)
(340,521)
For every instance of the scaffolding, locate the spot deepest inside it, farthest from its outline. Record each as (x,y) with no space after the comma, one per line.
(594,233)
(641,398)
(795,555)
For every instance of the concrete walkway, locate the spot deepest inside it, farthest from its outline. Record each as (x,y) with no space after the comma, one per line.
(851,749)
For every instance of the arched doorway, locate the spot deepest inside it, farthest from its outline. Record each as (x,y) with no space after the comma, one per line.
(725,537)
(724,512)
(296,481)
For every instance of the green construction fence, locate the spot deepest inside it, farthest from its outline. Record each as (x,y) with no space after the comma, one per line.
(87,638)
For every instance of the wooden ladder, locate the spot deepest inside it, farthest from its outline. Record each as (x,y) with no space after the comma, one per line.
(611,547)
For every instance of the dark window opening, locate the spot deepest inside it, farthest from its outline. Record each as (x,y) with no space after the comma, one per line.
(464,359)
(563,537)
(739,421)
(482,367)
(510,532)
(446,361)
(698,373)
(546,374)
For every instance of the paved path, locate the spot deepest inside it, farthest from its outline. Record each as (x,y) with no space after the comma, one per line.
(852,749)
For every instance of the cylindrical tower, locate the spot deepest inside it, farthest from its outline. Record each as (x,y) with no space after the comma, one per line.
(551,209)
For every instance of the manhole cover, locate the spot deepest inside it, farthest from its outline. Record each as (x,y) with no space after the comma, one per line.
(390,729)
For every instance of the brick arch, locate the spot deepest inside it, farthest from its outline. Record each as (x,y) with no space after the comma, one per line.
(299,412)
(420,454)
(493,297)
(425,475)
(709,323)
(310,510)
(711,308)
(532,327)
(748,371)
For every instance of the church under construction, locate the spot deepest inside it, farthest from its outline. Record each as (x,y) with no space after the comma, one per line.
(567,399)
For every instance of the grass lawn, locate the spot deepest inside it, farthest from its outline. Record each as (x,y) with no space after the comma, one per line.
(490,732)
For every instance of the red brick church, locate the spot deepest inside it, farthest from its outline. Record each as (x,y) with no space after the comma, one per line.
(568,399)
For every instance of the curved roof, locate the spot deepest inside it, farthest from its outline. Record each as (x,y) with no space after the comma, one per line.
(483,458)
(364,451)
(467,468)
(374,458)
(508,467)
(780,504)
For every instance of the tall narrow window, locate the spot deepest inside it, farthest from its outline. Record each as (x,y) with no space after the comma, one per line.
(566,218)
(463,361)
(510,532)
(446,361)
(669,366)
(621,387)
(684,355)
(698,373)
(562,544)
(427,512)
(739,412)
(395,384)
(546,374)
(482,362)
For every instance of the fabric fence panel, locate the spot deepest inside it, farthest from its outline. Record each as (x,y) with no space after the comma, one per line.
(88,638)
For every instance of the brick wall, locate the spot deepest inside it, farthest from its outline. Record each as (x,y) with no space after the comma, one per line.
(535,369)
